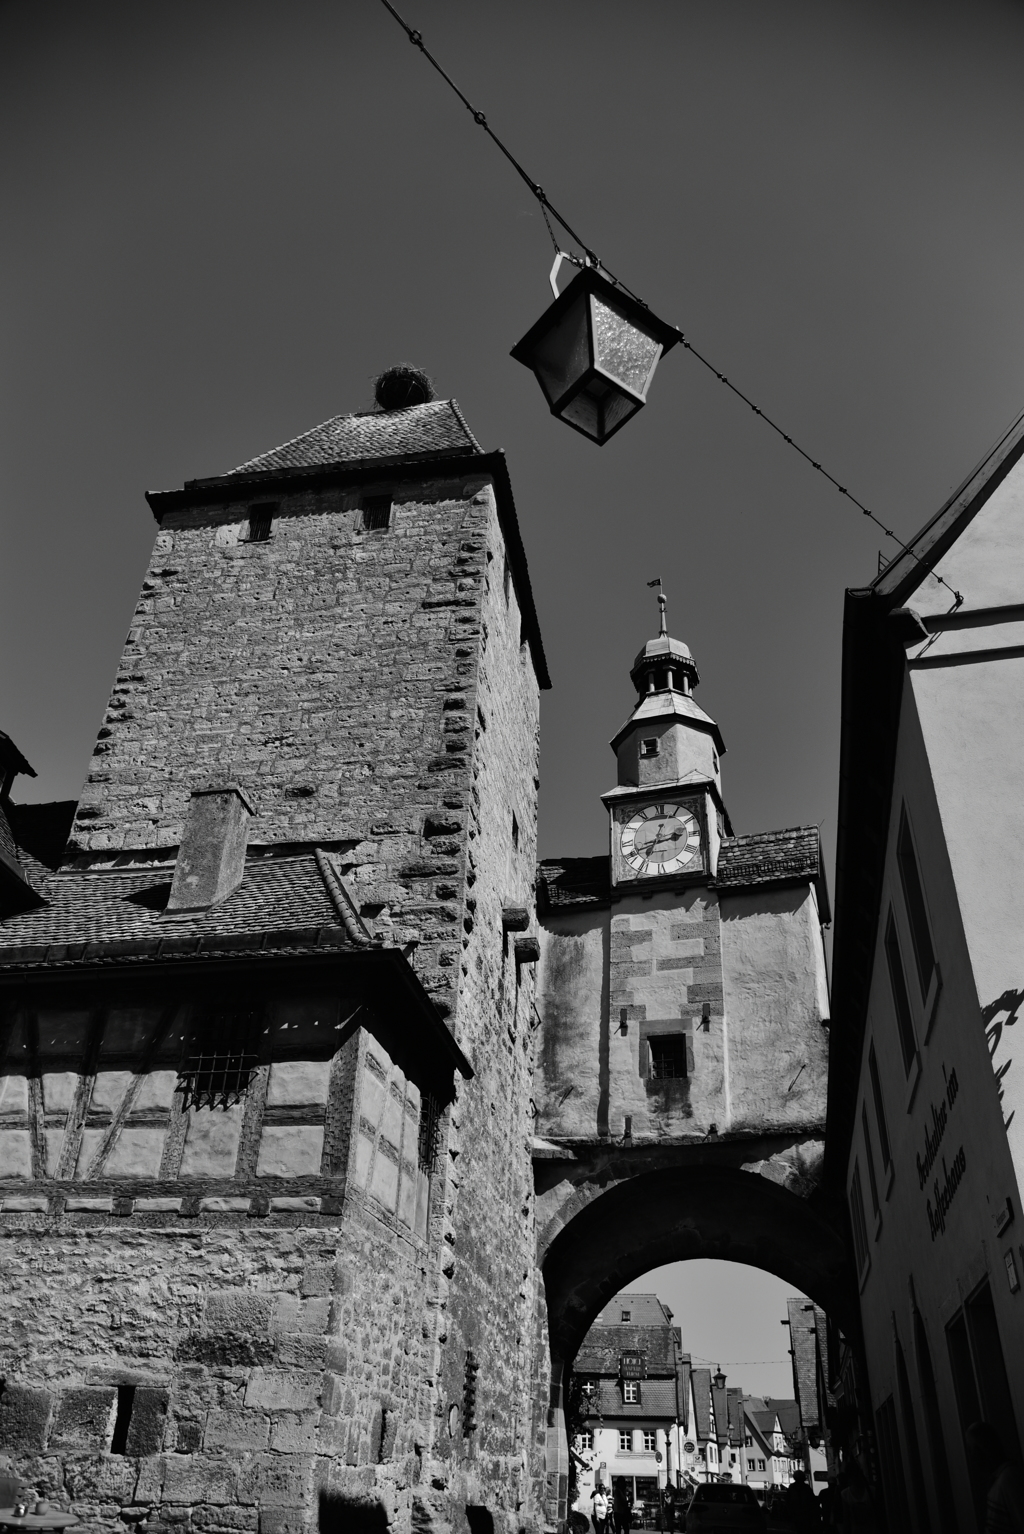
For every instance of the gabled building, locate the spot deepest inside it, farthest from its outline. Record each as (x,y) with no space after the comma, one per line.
(631,1367)
(766,1448)
(926,1130)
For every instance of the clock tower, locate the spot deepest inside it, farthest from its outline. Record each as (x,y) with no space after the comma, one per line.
(667,813)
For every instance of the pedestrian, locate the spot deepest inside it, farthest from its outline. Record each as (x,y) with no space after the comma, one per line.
(802,1505)
(622,1508)
(670,1508)
(855,1500)
(1002,1480)
(599,1508)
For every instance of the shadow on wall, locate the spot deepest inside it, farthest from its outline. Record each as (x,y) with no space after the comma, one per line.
(350,1515)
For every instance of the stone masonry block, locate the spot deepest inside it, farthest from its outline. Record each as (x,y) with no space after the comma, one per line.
(284,1520)
(295,1433)
(148,1420)
(199,1480)
(282,1390)
(239,1429)
(277,1480)
(317,1279)
(294,1315)
(85,1418)
(24,1417)
(244,1311)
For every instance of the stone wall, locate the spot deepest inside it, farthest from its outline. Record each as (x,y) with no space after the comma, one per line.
(373,694)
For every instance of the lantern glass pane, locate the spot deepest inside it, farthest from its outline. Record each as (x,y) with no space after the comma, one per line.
(599,408)
(562,356)
(622,350)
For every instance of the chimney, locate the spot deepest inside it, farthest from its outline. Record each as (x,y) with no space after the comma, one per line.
(211,859)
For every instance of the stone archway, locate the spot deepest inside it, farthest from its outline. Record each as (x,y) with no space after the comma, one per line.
(627,1217)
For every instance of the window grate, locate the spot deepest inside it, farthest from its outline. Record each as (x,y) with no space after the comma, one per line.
(668,1057)
(429,1137)
(376,513)
(261,520)
(222,1058)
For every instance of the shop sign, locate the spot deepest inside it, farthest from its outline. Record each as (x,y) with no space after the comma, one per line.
(948,1178)
(633,1366)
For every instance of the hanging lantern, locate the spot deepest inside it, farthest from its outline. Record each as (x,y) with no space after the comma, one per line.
(594,352)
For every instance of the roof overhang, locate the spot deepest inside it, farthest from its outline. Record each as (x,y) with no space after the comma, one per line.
(379,980)
(442,465)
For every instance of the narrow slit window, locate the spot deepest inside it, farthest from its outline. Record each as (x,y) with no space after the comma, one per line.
(869,1158)
(515,831)
(876,1093)
(506,579)
(429,1138)
(123,1419)
(376,513)
(668,1056)
(261,522)
(900,995)
(913,895)
(858,1222)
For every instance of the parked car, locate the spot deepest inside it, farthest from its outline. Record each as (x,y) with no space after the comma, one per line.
(719,1509)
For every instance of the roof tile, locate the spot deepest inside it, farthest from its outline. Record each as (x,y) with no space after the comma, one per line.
(418,431)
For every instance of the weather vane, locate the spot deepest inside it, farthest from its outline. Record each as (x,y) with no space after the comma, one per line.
(662,604)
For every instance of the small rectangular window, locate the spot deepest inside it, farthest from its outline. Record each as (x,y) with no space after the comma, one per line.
(913,895)
(261,520)
(585,1439)
(650,1443)
(222,1057)
(869,1158)
(649,747)
(900,996)
(668,1056)
(625,1315)
(876,1093)
(376,513)
(631,1391)
(858,1222)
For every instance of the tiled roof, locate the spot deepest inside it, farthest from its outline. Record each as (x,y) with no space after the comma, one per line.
(657,1399)
(769,856)
(804,1333)
(700,1379)
(419,431)
(574,882)
(603,1346)
(788,1413)
(644,1310)
(119,913)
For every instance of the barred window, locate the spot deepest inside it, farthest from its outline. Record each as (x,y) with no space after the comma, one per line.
(429,1138)
(261,520)
(668,1056)
(376,513)
(223,1053)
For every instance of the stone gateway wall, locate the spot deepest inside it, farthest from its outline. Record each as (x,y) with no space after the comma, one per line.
(213,1362)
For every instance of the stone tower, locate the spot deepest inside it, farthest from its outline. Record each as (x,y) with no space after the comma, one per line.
(279,985)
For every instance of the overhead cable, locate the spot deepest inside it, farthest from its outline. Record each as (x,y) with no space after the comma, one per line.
(550,211)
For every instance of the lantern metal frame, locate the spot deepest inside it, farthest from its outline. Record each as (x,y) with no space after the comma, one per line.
(589,284)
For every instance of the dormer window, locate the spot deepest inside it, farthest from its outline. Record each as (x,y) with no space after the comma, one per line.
(649,747)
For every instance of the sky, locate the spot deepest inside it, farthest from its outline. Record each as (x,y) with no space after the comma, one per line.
(222,221)
(730,1317)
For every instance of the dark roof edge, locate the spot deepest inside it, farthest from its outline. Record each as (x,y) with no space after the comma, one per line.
(904,573)
(228,487)
(873,669)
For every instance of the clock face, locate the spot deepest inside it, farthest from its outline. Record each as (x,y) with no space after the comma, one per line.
(660,839)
